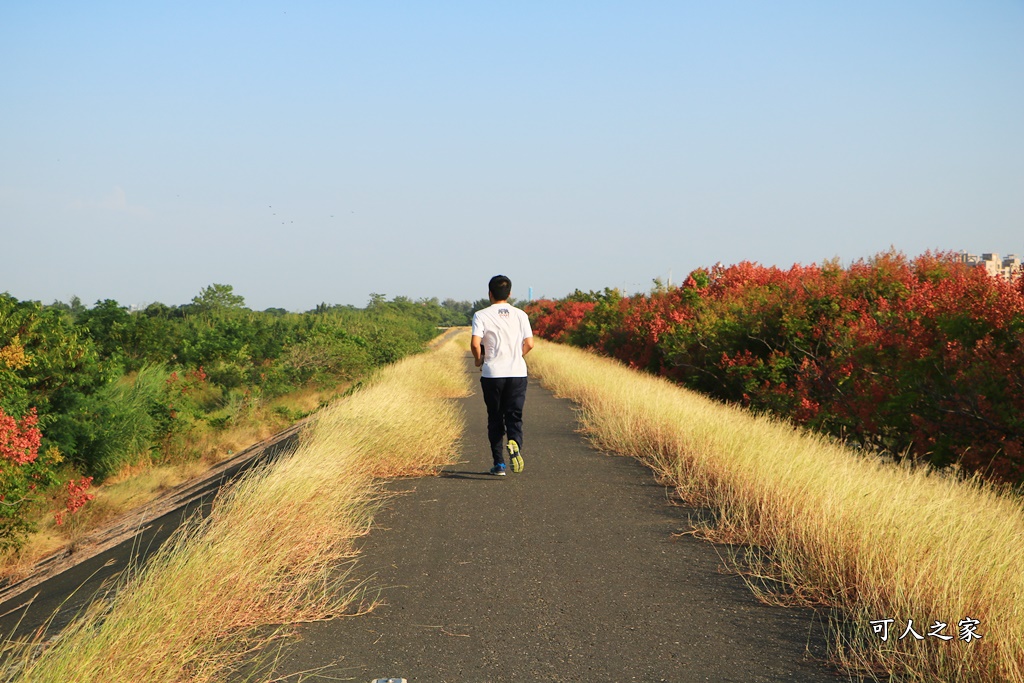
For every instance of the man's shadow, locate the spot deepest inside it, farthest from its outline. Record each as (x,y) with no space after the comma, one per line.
(469,476)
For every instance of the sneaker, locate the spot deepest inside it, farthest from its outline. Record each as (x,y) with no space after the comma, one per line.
(498,470)
(517,459)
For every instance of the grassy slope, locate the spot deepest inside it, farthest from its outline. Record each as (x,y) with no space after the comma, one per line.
(876,541)
(135,486)
(269,552)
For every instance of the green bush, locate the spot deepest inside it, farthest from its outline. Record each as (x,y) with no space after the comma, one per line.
(120,423)
(111,385)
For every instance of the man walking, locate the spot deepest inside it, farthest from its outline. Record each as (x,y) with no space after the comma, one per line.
(501,337)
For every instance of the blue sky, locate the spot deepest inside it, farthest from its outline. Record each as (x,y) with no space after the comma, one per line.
(321,151)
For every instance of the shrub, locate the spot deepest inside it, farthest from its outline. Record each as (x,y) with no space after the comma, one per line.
(921,357)
(23,472)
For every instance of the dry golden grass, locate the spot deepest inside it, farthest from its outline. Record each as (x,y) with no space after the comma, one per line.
(878,541)
(138,484)
(270,551)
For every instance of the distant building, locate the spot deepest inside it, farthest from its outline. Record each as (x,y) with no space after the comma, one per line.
(1013,265)
(1009,267)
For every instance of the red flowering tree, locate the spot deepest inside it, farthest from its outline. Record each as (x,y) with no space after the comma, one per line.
(23,471)
(553,319)
(921,357)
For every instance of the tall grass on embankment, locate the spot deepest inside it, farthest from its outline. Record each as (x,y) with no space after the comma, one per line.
(141,479)
(841,529)
(270,550)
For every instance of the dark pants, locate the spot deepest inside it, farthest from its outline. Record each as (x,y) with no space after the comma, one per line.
(504,398)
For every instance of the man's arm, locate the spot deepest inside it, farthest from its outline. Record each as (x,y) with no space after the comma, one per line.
(478,356)
(527,345)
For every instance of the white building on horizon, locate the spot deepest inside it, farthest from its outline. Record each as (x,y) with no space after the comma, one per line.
(1008,267)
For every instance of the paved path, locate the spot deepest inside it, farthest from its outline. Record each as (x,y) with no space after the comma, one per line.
(566,572)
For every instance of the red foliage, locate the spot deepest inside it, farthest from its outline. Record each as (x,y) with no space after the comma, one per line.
(19,439)
(553,319)
(77,496)
(923,356)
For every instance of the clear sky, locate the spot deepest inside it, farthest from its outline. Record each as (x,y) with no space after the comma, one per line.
(308,152)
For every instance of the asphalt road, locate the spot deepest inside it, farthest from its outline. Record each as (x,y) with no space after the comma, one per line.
(569,571)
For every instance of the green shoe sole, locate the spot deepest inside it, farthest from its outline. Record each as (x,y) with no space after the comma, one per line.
(513,452)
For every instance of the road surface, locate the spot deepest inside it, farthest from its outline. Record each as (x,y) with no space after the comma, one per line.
(570,571)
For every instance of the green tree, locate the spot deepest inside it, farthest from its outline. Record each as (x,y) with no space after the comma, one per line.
(110,326)
(218,297)
(456,312)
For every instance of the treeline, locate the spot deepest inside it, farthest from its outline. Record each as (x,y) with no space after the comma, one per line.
(920,358)
(85,392)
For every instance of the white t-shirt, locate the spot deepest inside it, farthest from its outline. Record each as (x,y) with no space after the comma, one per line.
(502,329)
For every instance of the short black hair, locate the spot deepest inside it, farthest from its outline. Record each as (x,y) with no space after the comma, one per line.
(500,287)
